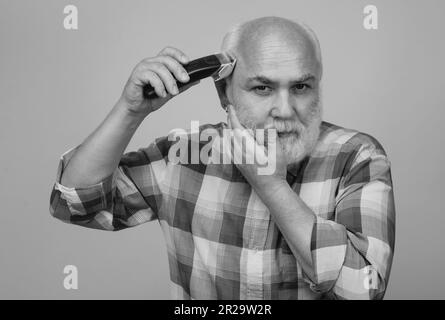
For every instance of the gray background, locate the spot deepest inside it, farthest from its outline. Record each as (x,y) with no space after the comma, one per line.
(57,85)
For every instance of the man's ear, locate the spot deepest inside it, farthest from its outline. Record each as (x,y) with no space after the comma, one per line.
(221,87)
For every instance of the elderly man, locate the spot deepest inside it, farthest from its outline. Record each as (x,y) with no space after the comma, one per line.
(322,226)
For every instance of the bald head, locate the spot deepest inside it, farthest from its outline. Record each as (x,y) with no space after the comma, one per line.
(281,38)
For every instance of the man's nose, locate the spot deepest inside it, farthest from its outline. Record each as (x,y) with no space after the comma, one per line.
(283,105)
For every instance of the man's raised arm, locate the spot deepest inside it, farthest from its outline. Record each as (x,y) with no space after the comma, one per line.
(98,156)
(99,187)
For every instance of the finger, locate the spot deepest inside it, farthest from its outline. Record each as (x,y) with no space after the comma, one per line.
(174,67)
(149,77)
(245,143)
(175,53)
(182,89)
(240,133)
(188,86)
(166,77)
(237,150)
(233,118)
(248,147)
(235,136)
(227,146)
(234,123)
(271,137)
(230,142)
(272,146)
(259,136)
(229,125)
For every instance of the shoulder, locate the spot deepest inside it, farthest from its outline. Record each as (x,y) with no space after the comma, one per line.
(336,138)
(344,149)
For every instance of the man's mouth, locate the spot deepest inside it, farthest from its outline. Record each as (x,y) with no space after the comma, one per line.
(286,134)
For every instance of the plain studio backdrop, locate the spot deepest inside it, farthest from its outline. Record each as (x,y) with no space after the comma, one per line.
(57,85)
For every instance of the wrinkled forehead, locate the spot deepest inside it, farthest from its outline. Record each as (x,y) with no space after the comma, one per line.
(276,54)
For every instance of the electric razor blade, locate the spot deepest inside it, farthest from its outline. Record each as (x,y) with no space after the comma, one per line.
(218,66)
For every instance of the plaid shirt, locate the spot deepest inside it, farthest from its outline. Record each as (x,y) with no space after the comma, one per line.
(221,240)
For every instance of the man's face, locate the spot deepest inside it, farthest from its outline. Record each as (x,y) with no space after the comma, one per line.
(275,84)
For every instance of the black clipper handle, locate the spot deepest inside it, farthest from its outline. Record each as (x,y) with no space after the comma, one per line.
(197,69)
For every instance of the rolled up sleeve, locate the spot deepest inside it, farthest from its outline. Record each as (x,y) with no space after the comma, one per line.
(352,254)
(127,198)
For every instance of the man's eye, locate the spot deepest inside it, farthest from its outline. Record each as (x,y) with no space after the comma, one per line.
(262,90)
(301,87)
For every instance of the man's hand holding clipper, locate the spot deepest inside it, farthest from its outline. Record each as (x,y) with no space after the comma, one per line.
(99,155)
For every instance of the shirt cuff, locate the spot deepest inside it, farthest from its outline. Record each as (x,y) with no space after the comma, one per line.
(84,200)
(328,249)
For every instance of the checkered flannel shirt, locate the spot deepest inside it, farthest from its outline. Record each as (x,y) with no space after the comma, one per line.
(222,242)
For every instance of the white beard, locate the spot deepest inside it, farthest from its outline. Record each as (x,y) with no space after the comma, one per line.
(295,146)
